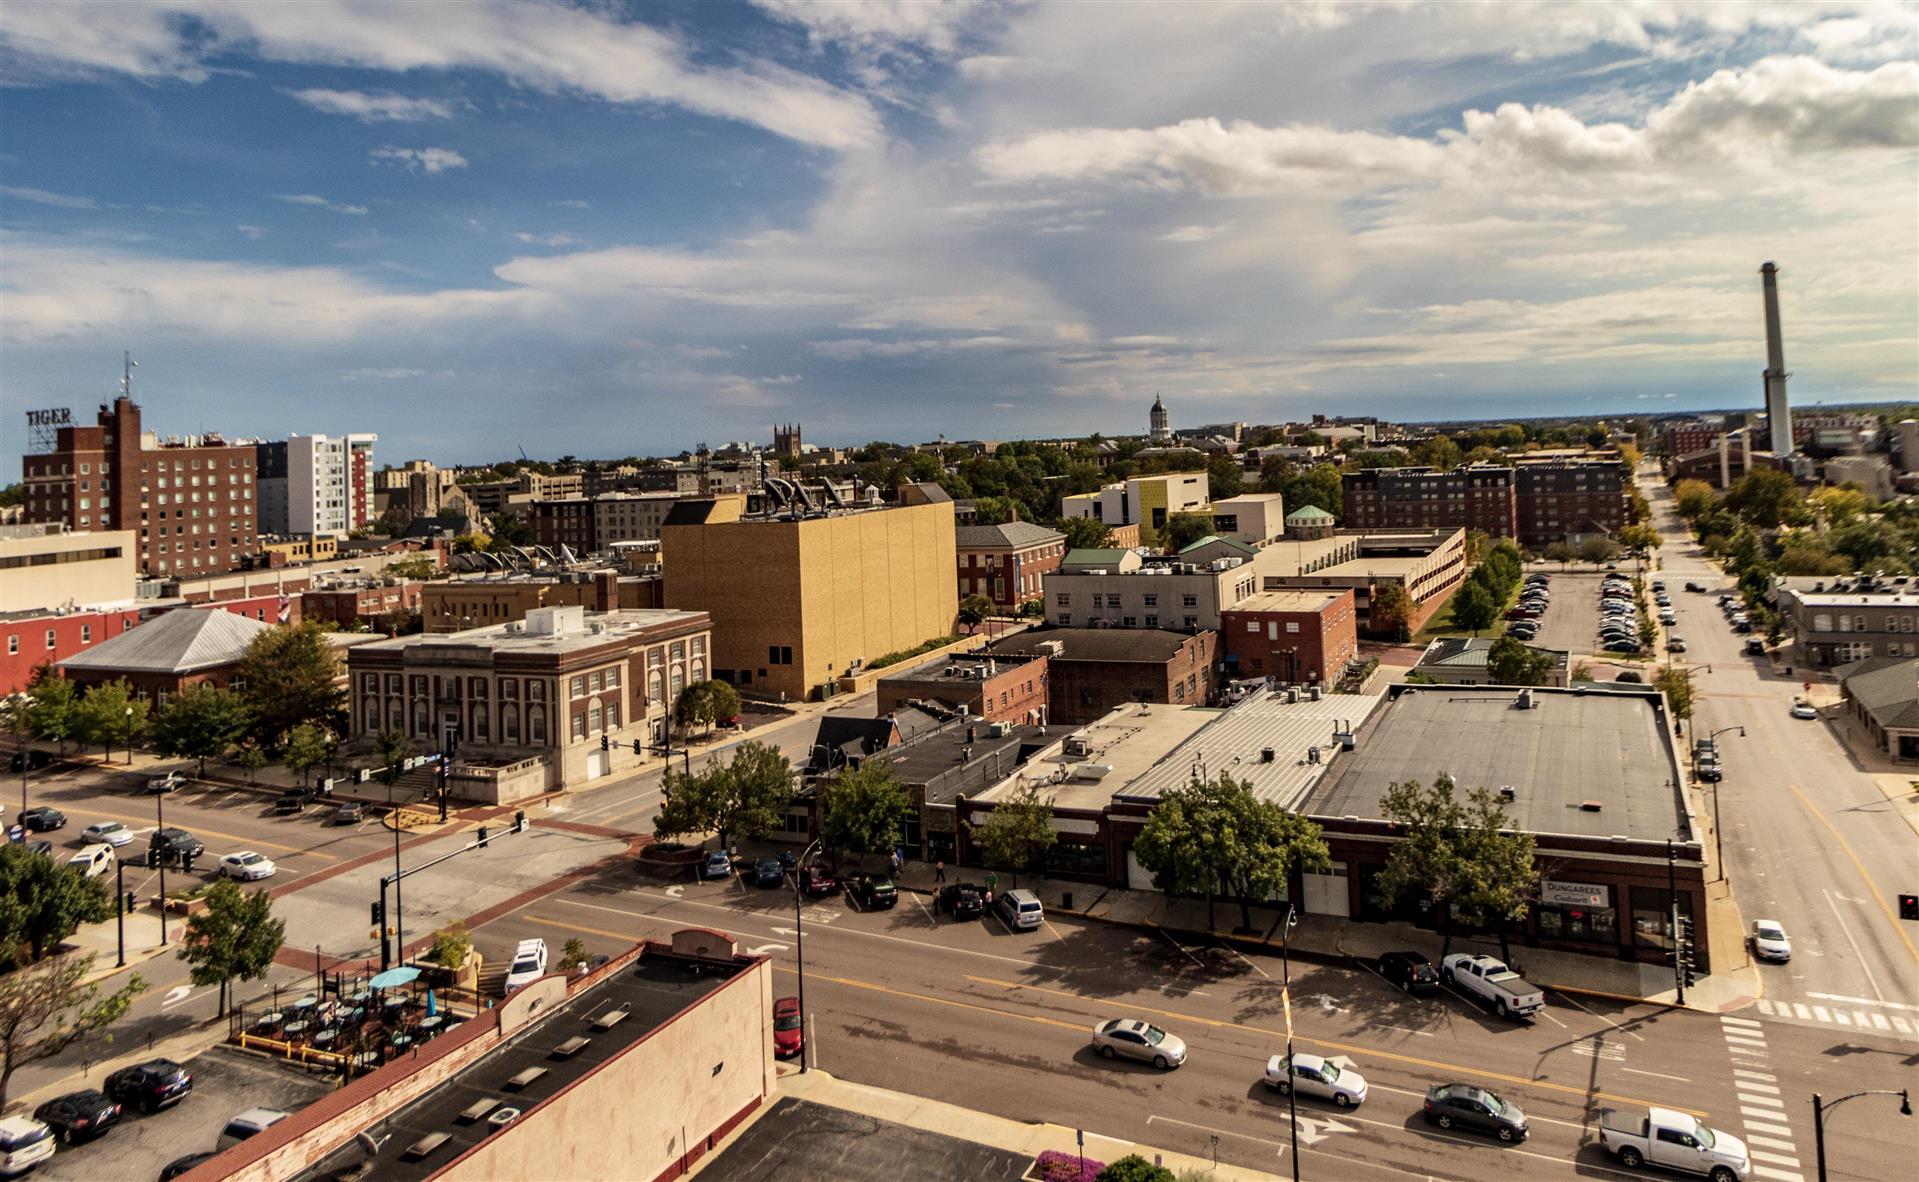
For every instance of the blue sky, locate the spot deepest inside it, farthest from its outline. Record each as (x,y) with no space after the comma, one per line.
(605,229)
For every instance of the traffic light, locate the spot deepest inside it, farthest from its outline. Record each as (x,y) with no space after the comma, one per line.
(519,821)
(153,858)
(606,744)
(638,748)
(375,908)
(1909,906)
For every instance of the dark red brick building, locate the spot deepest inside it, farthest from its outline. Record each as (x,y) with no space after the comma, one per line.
(568,522)
(1010,688)
(31,639)
(1304,637)
(1091,670)
(1477,496)
(367,603)
(1565,500)
(1006,562)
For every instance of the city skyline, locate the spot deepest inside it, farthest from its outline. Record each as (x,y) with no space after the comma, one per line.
(672,224)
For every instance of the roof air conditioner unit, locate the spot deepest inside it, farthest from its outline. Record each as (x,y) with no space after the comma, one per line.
(1506,792)
(1590,806)
(1265,755)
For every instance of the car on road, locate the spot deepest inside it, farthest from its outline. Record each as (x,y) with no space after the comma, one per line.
(42,818)
(166,783)
(150,1086)
(92,860)
(961,900)
(43,847)
(528,964)
(1700,587)
(182,1165)
(174,845)
(247,866)
(1409,971)
(1804,710)
(29,760)
(1708,771)
(78,1116)
(1755,647)
(1464,1106)
(716,865)
(1659,584)
(767,872)
(1675,1141)
(1131,1038)
(875,892)
(789,1028)
(350,812)
(1668,618)
(1769,941)
(24,1144)
(1020,909)
(293,800)
(1322,1079)
(1488,979)
(817,883)
(1675,644)
(111,833)
(249,1124)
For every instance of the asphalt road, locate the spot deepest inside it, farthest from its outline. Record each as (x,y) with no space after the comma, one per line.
(1809,840)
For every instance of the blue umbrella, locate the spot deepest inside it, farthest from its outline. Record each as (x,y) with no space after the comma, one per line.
(393,978)
(432,1007)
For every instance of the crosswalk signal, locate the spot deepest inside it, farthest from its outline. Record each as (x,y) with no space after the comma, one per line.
(1909,906)
(606,744)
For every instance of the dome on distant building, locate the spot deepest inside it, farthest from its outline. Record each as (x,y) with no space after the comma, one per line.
(1308,513)
(1309,521)
(1159,420)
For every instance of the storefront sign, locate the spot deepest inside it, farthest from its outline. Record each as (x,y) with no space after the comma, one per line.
(1559,893)
(59,417)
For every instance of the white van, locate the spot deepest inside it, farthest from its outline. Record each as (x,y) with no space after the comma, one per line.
(24,1144)
(1020,909)
(529,964)
(248,1124)
(93,860)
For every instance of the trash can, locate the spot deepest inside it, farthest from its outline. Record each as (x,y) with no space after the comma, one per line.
(1066,901)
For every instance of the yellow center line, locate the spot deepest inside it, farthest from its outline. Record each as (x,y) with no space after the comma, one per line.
(243,842)
(1412,1060)
(1871,886)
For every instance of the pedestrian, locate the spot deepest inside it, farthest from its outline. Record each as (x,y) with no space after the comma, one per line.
(939,871)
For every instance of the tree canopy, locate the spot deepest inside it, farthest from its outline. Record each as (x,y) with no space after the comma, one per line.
(1392,610)
(1460,854)
(1474,607)
(974,609)
(236,936)
(706,702)
(1215,837)
(42,902)
(1511,662)
(1019,830)
(1086,533)
(1183,529)
(290,676)
(863,809)
(746,796)
(201,722)
(49,1006)
(110,715)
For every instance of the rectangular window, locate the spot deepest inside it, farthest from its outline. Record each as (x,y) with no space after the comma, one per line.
(1152,600)
(52,639)
(1292,627)
(536,691)
(1062,600)
(613,678)
(593,681)
(576,687)
(579,724)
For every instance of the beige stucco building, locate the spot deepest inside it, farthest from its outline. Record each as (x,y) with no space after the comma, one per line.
(798,601)
(43,567)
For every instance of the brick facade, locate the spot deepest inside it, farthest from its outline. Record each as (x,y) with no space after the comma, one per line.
(1297,636)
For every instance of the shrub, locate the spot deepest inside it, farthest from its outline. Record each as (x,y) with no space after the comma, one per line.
(1055,1166)
(1134,1168)
(907,654)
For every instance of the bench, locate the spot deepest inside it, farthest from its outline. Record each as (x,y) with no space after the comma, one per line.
(571,1047)
(525,1079)
(477,1109)
(425,1146)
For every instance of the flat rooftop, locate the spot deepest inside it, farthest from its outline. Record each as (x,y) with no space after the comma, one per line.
(1239,737)
(1127,740)
(1288,601)
(626,624)
(654,987)
(946,764)
(963,669)
(1575,745)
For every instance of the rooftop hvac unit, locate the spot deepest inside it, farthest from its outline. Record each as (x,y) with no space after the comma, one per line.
(1312,693)
(1078,746)
(1524,700)
(999,730)
(1092,771)
(1345,739)
(1052,648)
(1265,755)
(516,627)
(1590,806)
(1507,792)
(1292,694)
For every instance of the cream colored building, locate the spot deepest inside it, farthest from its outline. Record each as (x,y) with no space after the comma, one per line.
(1145,501)
(43,567)
(798,602)
(637,517)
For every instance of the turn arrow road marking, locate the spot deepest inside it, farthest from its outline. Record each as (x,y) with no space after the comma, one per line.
(1313,1130)
(175,995)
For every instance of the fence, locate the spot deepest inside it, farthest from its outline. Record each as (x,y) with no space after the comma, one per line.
(344,1026)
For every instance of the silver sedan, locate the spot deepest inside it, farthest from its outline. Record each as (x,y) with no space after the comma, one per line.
(1144,1041)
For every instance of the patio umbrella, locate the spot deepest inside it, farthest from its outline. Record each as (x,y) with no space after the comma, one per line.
(432,1006)
(393,978)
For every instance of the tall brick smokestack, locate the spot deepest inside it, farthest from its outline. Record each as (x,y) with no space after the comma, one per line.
(1778,413)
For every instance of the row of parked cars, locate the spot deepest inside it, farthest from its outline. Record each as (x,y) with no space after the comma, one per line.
(90,1113)
(1618,618)
(1535,596)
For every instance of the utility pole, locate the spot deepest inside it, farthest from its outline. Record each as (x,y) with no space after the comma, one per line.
(1286,995)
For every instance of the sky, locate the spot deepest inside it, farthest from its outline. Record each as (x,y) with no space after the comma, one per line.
(602,229)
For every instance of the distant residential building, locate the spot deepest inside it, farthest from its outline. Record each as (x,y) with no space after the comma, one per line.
(1429,564)
(1569,500)
(190,498)
(1009,687)
(1090,671)
(566,523)
(1461,660)
(417,486)
(1882,699)
(516,496)
(1474,497)
(296,550)
(1006,563)
(1145,501)
(360,601)
(1118,589)
(1299,637)
(1254,518)
(1873,474)
(316,484)
(637,517)
(1847,618)
(1907,434)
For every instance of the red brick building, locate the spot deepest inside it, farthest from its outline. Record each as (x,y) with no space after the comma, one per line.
(568,522)
(1011,688)
(1092,670)
(1006,562)
(169,653)
(31,639)
(367,602)
(1478,496)
(1567,500)
(1304,637)
(191,500)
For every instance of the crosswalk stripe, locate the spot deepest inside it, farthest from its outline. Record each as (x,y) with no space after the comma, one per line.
(1730,1021)
(1768,1006)
(1742,1041)
(1752,1085)
(1900,1024)
(1799,1008)
(1762,1101)
(1879,1020)
(1753,1114)
(1820,1013)
(1753,1138)
(1782,1175)
(1755,1075)
(1763,1127)
(1845,1020)
(1777,1159)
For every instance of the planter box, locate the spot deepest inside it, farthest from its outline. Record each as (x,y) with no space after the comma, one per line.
(192,906)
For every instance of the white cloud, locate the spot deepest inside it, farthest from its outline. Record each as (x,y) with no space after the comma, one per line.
(369,107)
(571,203)
(933,24)
(370,374)
(320,203)
(43,197)
(549,47)
(555,239)
(1192,233)
(254,233)
(431,161)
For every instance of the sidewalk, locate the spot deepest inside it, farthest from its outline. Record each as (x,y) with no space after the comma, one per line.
(934,1116)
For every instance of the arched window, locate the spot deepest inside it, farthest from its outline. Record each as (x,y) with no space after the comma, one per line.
(655,687)
(536,725)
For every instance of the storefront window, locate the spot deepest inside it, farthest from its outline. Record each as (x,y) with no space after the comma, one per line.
(1064,858)
(1652,916)
(1578,911)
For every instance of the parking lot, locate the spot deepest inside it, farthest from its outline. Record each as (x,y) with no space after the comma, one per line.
(1572,621)
(225,1083)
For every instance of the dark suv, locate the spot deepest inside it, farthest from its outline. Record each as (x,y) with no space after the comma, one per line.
(961,900)
(77,1116)
(173,845)
(150,1086)
(293,800)
(1410,971)
(875,892)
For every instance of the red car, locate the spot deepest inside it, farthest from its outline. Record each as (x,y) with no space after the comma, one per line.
(1522,613)
(817,882)
(789,1028)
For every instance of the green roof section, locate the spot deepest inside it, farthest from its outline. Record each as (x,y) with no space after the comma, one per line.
(1307,513)
(1092,556)
(1216,540)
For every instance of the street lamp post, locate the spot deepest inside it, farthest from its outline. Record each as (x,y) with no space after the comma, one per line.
(1718,855)
(399,918)
(129,736)
(1286,993)
(799,941)
(120,910)
(1820,1108)
(160,816)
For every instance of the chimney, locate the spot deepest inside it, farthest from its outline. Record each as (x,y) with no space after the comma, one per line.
(1778,413)
(606,591)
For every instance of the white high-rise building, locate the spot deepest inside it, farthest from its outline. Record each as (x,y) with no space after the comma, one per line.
(327,482)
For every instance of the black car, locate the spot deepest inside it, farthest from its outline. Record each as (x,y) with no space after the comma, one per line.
(293,800)
(173,845)
(181,1165)
(29,760)
(150,1086)
(961,900)
(875,892)
(767,872)
(77,1116)
(43,847)
(43,819)
(1466,1107)
(1409,971)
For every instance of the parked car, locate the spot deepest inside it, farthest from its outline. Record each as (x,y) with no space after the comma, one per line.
(817,883)
(1708,771)
(250,1123)
(961,900)
(1623,646)
(1659,584)
(767,872)
(41,846)
(1755,647)
(716,864)
(1020,908)
(112,833)
(292,800)
(1133,1039)
(789,1028)
(875,892)
(1464,1106)
(1310,1075)
(30,760)
(150,1086)
(166,783)
(1675,645)
(1668,618)
(24,1144)
(528,965)
(1522,633)
(1488,979)
(1804,710)
(1521,613)
(350,812)
(247,866)
(1769,941)
(173,845)
(182,1165)
(1674,1140)
(78,1116)
(92,860)
(1410,971)
(42,818)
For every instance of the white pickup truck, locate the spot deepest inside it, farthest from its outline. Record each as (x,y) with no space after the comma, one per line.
(1675,1141)
(1488,979)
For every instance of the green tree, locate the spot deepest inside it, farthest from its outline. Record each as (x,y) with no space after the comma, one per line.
(1675,681)
(53,706)
(1582,672)
(1134,1168)
(1597,549)
(746,796)
(110,716)
(50,1006)
(1648,634)
(1019,830)
(391,750)
(1766,497)
(973,610)
(1438,452)
(236,936)
(202,722)
(249,758)
(1640,539)
(417,566)
(1429,858)
(1225,477)
(451,945)
(1474,607)
(1183,529)
(1085,533)
(1562,553)
(1176,845)
(862,809)
(1215,836)
(1510,662)
(1392,611)
(1501,881)
(308,746)
(291,676)
(704,703)
(573,954)
(42,903)
(1836,505)
(1694,499)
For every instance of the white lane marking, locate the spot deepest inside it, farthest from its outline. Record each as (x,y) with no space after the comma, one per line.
(1899,1024)
(1740,1040)
(1762,1101)
(1879,1020)
(1549,1017)
(1657,1074)
(1745,1085)
(1777,1159)
(1753,1114)
(1845,1019)
(1846,930)
(1603,1018)
(1782,1175)
(1753,1138)
(1821,1013)
(1755,1075)
(1182,948)
(175,996)
(1763,1127)
(1862,1001)
(1725,1020)
(1800,1010)
(1767,1006)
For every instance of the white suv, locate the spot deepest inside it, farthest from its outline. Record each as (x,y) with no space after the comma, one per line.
(529,964)
(24,1144)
